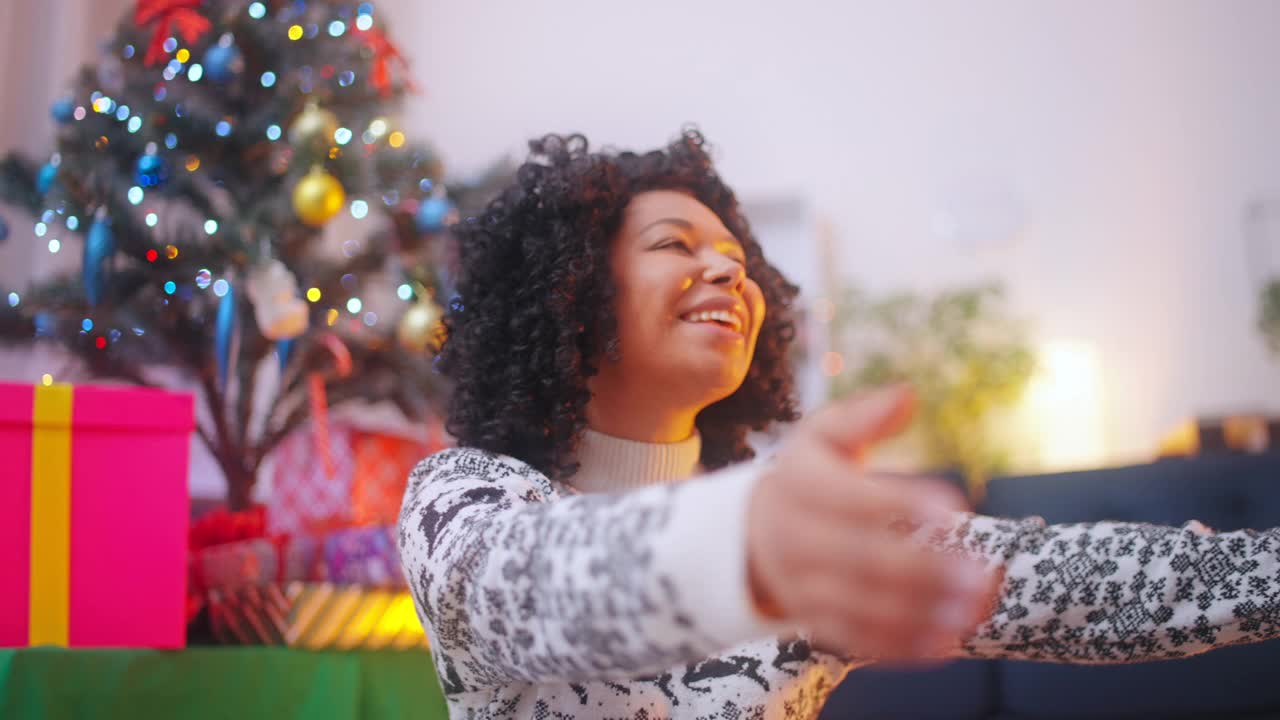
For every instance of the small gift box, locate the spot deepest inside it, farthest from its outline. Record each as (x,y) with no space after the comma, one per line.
(363,556)
(240,564)
(308,495)
(231,567)
(382,466)
(316,616)
(362,484)
(93,516)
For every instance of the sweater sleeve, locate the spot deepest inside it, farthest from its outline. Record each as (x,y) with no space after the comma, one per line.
(512,586)
(1120,592)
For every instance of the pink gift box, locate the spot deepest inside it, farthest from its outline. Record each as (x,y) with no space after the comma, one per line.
(93,516)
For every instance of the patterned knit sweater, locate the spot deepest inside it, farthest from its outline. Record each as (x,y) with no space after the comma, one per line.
(622,592)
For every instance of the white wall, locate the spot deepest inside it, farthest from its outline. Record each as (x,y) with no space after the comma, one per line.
(42,45)
(1098,155)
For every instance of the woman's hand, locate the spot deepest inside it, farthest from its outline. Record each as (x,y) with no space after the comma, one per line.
(827,543)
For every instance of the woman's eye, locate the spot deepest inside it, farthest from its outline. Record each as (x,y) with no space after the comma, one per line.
(677,244)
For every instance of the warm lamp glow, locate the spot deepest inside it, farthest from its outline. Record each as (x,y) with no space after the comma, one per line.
(1064,405)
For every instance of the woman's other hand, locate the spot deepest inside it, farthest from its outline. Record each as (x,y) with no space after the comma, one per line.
(828,543)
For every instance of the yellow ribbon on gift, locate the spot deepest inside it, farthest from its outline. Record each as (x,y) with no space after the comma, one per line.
(50,586)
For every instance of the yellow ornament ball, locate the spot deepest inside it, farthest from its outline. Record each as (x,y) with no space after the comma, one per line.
(313,128)
(318,197)
(420,327)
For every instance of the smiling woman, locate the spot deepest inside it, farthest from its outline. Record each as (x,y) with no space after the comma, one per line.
(693,318)
(595,549)
(581,240)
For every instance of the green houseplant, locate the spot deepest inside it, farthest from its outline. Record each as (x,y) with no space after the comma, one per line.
(1269,315)
(966,357)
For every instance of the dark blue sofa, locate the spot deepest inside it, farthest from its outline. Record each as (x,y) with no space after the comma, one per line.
(1226,492)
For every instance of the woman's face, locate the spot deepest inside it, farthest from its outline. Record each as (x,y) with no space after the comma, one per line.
(688,315)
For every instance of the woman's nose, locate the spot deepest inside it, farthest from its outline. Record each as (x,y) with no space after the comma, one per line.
(723,270)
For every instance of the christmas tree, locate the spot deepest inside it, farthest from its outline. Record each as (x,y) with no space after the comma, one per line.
(250,214)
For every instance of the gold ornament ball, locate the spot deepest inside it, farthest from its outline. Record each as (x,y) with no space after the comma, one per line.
(313,128)
(318,197)
(420,327)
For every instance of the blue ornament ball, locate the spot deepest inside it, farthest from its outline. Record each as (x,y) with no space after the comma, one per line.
(433,214)
(151,170)
(44,179)
(63,110)
(223,328)
(99,246)
(4,230)
(284,348)
(46,324)
(222,62)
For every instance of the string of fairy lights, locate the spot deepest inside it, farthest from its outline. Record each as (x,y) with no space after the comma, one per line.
(317,198)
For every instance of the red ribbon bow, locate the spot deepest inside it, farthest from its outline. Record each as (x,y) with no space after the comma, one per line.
(169,16)
(221,526)
(384,52)
(217,527)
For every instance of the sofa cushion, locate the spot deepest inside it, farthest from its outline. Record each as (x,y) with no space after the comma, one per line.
(1226,492)
(1223,683)
(958,690)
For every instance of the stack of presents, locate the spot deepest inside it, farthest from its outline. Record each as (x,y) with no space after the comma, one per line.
(97,548)
(97,544)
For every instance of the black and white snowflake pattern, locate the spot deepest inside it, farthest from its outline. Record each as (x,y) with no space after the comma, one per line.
(539,602)
(1121,592)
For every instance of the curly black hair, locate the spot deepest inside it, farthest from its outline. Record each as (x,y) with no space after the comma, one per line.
(534,314)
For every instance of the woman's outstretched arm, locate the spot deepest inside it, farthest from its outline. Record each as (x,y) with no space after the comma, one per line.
(513,586)
(1120,592)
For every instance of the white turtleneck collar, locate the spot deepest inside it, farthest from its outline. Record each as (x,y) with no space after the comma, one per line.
(612,464)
